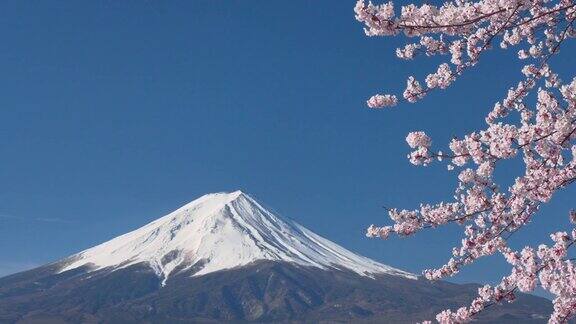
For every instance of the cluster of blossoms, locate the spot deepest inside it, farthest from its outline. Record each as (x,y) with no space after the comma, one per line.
(543,136)
(420,142)
(546,266)
(380,101)
(464,30)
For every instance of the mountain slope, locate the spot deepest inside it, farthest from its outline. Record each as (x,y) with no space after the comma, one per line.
(264,291)
(223,257)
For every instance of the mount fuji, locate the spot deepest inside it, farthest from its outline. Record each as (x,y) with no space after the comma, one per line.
(225,257)
(223,231)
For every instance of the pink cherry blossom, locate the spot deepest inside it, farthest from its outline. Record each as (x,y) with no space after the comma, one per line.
(417,139)
(541,134)
(381,101)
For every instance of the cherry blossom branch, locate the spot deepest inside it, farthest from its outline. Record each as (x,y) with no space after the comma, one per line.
(528,266)
(544,137)
(381,21)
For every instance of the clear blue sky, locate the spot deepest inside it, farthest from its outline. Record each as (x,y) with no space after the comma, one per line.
(113,113)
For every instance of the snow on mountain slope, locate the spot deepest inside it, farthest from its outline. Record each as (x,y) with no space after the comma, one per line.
(223,231)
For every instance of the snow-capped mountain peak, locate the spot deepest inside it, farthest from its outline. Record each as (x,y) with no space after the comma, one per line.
(223,231)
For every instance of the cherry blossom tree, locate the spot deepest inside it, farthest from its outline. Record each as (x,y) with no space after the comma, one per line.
(539,129)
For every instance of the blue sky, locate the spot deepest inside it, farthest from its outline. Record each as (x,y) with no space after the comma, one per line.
(114,113)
